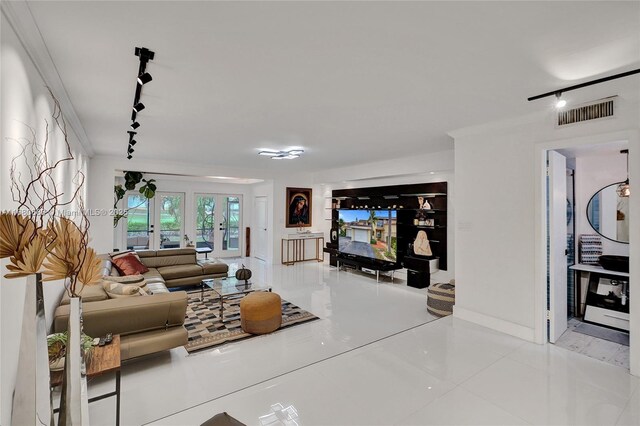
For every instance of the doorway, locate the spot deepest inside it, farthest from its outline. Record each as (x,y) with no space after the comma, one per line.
(587,304)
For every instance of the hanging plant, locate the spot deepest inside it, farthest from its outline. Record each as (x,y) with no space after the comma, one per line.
(131,180)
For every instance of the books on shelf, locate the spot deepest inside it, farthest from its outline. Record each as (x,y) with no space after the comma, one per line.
(590,249)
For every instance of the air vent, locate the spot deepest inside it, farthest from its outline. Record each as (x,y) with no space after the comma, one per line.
(601,109)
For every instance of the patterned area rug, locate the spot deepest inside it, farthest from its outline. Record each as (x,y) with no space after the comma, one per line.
(206,329)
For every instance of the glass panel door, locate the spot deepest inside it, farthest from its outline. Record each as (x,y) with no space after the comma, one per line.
(205,220)
(170,207)
(230,227)
(218,224)
(138,222)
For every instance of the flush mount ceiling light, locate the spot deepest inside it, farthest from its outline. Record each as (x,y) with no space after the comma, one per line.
(623,189)
(557,93)
(281,155)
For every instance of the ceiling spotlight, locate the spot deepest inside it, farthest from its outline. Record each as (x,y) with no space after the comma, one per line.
(132,142)
(130,150)
(135,125)
(560,103)
(138,107)
(144,78)
(129,157)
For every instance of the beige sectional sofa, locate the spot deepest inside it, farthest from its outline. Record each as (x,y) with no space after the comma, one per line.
(180,267)
(146,324)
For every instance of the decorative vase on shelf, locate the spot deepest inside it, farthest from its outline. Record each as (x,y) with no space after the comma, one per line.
(32,399)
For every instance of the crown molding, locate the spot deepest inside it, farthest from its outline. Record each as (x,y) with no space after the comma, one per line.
(21,20)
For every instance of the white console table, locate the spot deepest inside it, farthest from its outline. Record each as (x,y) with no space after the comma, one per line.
(292,247)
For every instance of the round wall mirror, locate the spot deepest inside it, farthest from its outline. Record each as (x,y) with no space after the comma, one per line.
(608,214)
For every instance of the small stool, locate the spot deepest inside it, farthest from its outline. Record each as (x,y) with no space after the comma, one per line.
(261,312)
(440,298)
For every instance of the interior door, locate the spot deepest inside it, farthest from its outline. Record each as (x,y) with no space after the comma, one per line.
(261,225)
(557,217)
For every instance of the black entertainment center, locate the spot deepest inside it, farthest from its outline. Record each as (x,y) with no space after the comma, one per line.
(374,228)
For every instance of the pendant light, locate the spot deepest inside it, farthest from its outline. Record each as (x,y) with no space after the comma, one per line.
(623,189)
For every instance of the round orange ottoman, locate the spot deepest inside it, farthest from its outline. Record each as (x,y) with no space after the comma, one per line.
(260,312)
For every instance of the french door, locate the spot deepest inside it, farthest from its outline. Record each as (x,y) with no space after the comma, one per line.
(169,220)
(218,224)
(139,222)
(155,223)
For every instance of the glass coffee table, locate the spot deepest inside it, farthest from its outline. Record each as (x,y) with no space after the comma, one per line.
(229,286)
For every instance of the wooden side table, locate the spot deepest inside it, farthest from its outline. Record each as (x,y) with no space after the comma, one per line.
(104,359)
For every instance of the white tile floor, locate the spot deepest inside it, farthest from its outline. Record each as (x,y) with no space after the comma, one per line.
(375,357)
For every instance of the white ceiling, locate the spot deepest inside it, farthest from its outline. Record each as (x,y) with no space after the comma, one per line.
(350,82)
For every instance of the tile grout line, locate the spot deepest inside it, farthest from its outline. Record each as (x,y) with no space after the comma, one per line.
(294,370)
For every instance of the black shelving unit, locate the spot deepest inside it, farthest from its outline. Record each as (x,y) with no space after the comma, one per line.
(404,199)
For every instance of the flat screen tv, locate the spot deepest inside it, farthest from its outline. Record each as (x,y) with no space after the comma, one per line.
(368,233)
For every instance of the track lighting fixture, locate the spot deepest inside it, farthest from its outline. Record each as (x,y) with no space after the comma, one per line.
(560,103)
(144,78)
(281,155)
(557,93)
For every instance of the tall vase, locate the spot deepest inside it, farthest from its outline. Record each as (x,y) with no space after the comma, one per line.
(74,402)
(32,396)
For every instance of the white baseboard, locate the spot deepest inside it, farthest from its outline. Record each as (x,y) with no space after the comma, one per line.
(493,323)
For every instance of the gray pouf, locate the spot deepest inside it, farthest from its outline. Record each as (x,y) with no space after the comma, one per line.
(440,298)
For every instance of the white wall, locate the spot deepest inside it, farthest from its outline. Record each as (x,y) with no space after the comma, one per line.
(593,173)
(500,246)
(25,100)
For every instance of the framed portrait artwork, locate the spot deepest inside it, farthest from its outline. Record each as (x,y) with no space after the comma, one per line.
(298,207)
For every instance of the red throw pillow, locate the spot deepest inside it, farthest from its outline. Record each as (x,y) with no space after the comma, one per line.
(129,265)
